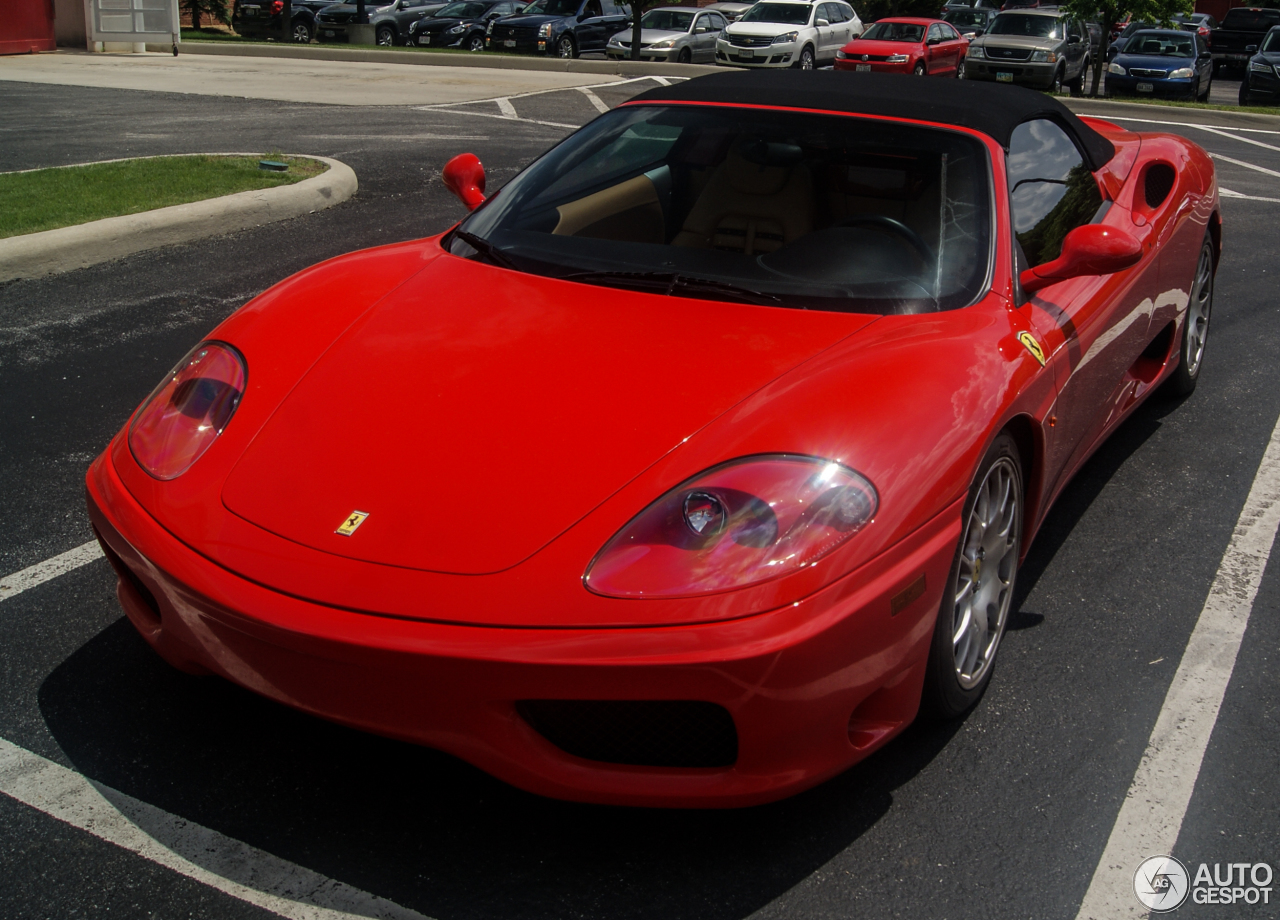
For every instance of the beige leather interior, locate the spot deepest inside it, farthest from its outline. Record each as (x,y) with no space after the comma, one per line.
(628,211)
(750,208)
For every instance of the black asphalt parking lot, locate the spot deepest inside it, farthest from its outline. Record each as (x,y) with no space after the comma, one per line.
(1004,814)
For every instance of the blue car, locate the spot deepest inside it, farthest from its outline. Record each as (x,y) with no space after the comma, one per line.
(1162,62)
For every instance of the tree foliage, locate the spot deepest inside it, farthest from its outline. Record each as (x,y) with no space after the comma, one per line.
(216,10)
(1111,14)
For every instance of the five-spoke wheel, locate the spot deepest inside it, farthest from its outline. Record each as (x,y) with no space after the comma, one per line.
(1195,328)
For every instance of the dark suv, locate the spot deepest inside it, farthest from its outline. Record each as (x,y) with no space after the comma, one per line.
(562,27)
(261,18)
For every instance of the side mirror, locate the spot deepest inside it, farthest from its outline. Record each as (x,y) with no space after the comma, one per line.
(933,40)
(1251,49)
(1089,250)
(821,22)
(464,176)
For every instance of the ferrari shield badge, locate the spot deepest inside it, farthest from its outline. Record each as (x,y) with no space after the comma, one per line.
(1030,344)
(354,520)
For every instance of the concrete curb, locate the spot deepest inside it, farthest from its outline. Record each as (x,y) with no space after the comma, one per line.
(50,252)
(373,55)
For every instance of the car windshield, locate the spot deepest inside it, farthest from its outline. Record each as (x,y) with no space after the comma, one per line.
(1022,24)
(962,18)
(895,32)
(788,209)
(793,14)
(1163,44)
(552,7)
(1250,19)
(462,11)
(667,20)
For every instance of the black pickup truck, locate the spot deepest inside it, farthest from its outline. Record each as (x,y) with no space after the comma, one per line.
(1238,37)
(261,18)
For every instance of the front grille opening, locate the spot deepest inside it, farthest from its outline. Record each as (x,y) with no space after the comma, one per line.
(130,580)
(1158,184)
(642,733)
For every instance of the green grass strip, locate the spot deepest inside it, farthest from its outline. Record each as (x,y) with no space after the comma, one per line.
(46,199)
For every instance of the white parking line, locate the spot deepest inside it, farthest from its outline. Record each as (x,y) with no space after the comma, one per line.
(504,105)
(15,584)
(230,866)
(1261,169)
(1152,813)
(1182,124)
(594,99)
(1236,137)
(527,121)
(1227,193)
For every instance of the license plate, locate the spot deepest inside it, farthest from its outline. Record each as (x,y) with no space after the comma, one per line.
(509,43)
(1004,77)
(861,67)
(1145,87)
(249,11)
(746,54)
(328,33)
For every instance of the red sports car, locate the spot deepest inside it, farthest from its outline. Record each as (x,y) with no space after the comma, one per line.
(693,463)
(924,47)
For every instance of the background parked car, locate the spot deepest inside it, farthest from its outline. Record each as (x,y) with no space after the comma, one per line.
(969,22)
(1161,62)
(1200,23)
(906,45)
(1236,40)
(459,25)
(261,18)
(673,33)
(1037,48)
(1262,76)
(784,33)
(565,28)
(731,10)
(390,22)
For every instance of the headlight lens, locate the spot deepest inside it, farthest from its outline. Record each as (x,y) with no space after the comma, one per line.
(1259,67)
(456,29)
(1116,69)
(185,414)
(544,30)
(840,55)
(896,59)
(665,43)
(1182,73)
(785,37)
(738,524)
(488,30)
(976,53)
(1045,57)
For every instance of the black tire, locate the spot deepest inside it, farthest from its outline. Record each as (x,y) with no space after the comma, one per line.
(1244,94)
(960,70)
(806,61)
(1195,328)
(919,70)
(684,57)
(565,47)
(302,33)
(385,36)
(1077,85)
(948,691)
(1056,86)
(475,42)
(1208,88)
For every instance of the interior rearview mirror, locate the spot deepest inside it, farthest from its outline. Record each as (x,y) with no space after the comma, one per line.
(464,176)
(1089,250)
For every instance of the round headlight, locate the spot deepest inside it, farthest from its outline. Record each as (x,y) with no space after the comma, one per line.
(188,411)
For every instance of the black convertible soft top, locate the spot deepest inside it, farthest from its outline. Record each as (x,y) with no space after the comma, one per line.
(990,108)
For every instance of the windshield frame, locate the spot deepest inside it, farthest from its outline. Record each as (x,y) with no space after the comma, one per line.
(906,25)
(986,148)
(779,4)
(1056,25)
(1163,35)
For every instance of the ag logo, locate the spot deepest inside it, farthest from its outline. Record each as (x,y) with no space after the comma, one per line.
(352,521)
(1030,344)
(1161,883)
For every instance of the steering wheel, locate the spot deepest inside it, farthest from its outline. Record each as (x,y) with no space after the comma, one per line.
(897,226)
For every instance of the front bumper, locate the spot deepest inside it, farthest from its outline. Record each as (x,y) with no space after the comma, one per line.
(779,55)
(852,64)
(1024,73)
(1263,84)
(1160,89)
(811,688)
(616,52)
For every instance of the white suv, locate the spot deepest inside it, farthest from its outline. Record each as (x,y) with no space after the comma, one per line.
(788,33)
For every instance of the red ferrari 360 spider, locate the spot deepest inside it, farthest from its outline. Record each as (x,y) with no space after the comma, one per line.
(695,462)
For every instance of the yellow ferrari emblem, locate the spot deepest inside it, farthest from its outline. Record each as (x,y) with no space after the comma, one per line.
(1030,344)
(354,520)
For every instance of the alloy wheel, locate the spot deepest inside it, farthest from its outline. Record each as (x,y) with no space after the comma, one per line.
(1198,310)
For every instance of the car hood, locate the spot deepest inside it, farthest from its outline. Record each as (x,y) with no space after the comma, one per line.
(535,19)
(1153,61)
(761,29)
(1018,41)
(868,46)
(432,24)
(476,413)
(649,36)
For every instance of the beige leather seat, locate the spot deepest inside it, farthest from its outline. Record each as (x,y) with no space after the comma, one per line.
(749,208)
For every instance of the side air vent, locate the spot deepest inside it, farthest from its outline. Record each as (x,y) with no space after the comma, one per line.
(649,733)
(1158,184)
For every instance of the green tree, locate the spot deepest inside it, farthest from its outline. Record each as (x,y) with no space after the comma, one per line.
(1111,14)
(214,9)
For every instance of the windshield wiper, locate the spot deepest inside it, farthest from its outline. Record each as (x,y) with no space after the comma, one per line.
(674,284)
(486,249)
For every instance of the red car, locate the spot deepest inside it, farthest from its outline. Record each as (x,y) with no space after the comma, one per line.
(915,46)
(693,463)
